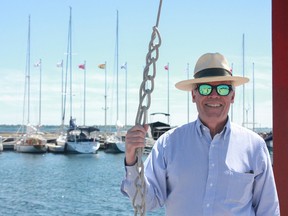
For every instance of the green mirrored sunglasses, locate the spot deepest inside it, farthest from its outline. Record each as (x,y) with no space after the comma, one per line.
(222,89)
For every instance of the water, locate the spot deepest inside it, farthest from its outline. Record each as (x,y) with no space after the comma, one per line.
(54,128)
(63,184)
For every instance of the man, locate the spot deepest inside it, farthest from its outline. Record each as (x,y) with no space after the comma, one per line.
(210,166)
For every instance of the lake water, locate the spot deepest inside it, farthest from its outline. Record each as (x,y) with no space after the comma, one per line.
(63,184)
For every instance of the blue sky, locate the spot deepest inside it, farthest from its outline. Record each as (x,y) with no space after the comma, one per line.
(188,29)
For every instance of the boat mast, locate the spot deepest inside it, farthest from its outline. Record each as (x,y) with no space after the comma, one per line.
(232,108)
(168,94)
(243,47)
(28,73)
(188,94)
(62,95)
(70,58)
(117,67)
(40,90)
(84,111)
(125,68)
(27,82)
(105,96)
(253,99)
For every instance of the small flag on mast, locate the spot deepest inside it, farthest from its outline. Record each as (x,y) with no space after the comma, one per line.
(102,66)
(59,64)
(81,66)
(166,67)
(124,65)
(37,64)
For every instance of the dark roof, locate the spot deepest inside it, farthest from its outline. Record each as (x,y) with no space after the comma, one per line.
(85,128)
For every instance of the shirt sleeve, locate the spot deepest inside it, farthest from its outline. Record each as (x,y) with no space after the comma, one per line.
(154,178)
(265,198)
(127,187)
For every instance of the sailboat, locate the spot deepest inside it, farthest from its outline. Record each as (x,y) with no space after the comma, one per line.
(59,145)
(115,143)
(1,144)
(77,139)
(31,140)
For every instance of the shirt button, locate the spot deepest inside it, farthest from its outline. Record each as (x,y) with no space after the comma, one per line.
(129,173)
(211,184)
(207,205)
(212,164)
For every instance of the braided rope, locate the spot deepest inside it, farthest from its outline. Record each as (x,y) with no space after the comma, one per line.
(146,89)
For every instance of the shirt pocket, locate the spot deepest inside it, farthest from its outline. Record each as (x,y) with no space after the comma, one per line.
(240,186)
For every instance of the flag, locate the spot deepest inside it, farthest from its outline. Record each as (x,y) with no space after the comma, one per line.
(166,67)
(81,66)
(37,64)
(102,66)
(59,64)
(124,65)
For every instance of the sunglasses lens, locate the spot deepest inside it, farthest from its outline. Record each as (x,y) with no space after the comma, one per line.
(205,89)
(223,90)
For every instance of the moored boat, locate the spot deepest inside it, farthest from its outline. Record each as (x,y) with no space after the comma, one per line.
(59,145)
(115,143)
(156,129)
(269,143)
(31,143)
(1,144)
(79,140)
(31,139)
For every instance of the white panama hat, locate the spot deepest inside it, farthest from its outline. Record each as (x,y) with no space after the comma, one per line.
(211,67)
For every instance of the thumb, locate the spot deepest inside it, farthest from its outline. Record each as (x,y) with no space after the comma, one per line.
(146,127)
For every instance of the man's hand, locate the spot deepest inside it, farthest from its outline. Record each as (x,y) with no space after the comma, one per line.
(135,138)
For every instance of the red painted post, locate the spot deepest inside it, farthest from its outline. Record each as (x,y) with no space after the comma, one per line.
(280,99)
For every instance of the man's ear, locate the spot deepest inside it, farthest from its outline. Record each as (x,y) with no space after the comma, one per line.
(233,97)
(193,95)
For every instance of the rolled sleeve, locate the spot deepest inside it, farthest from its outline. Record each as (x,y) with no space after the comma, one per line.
(127,187)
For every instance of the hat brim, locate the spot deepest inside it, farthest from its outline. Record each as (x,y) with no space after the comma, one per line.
(187,85)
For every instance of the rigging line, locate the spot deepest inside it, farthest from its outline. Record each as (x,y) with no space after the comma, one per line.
(158,14)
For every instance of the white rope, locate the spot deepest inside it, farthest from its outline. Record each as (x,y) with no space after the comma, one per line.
(146,89)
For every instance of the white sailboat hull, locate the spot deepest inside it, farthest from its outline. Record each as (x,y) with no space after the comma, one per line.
(59,146)
(1,144)
(82,147)
(54,148)
(115,147)
(121,146)
(31,148)
(115,144)
(31,143)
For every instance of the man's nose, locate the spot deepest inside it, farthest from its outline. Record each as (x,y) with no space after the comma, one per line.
(214,93)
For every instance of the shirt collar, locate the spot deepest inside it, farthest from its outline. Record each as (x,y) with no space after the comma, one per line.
(225,132)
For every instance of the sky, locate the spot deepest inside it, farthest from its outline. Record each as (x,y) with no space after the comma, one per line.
(240,30)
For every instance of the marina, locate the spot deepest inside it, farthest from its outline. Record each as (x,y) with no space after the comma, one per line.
(110,139)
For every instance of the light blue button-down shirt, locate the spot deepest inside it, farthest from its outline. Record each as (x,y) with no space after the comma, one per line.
(194,175)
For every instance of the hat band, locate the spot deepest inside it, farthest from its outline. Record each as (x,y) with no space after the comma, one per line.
(210,72)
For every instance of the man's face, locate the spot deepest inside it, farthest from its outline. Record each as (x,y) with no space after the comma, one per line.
(213,108)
